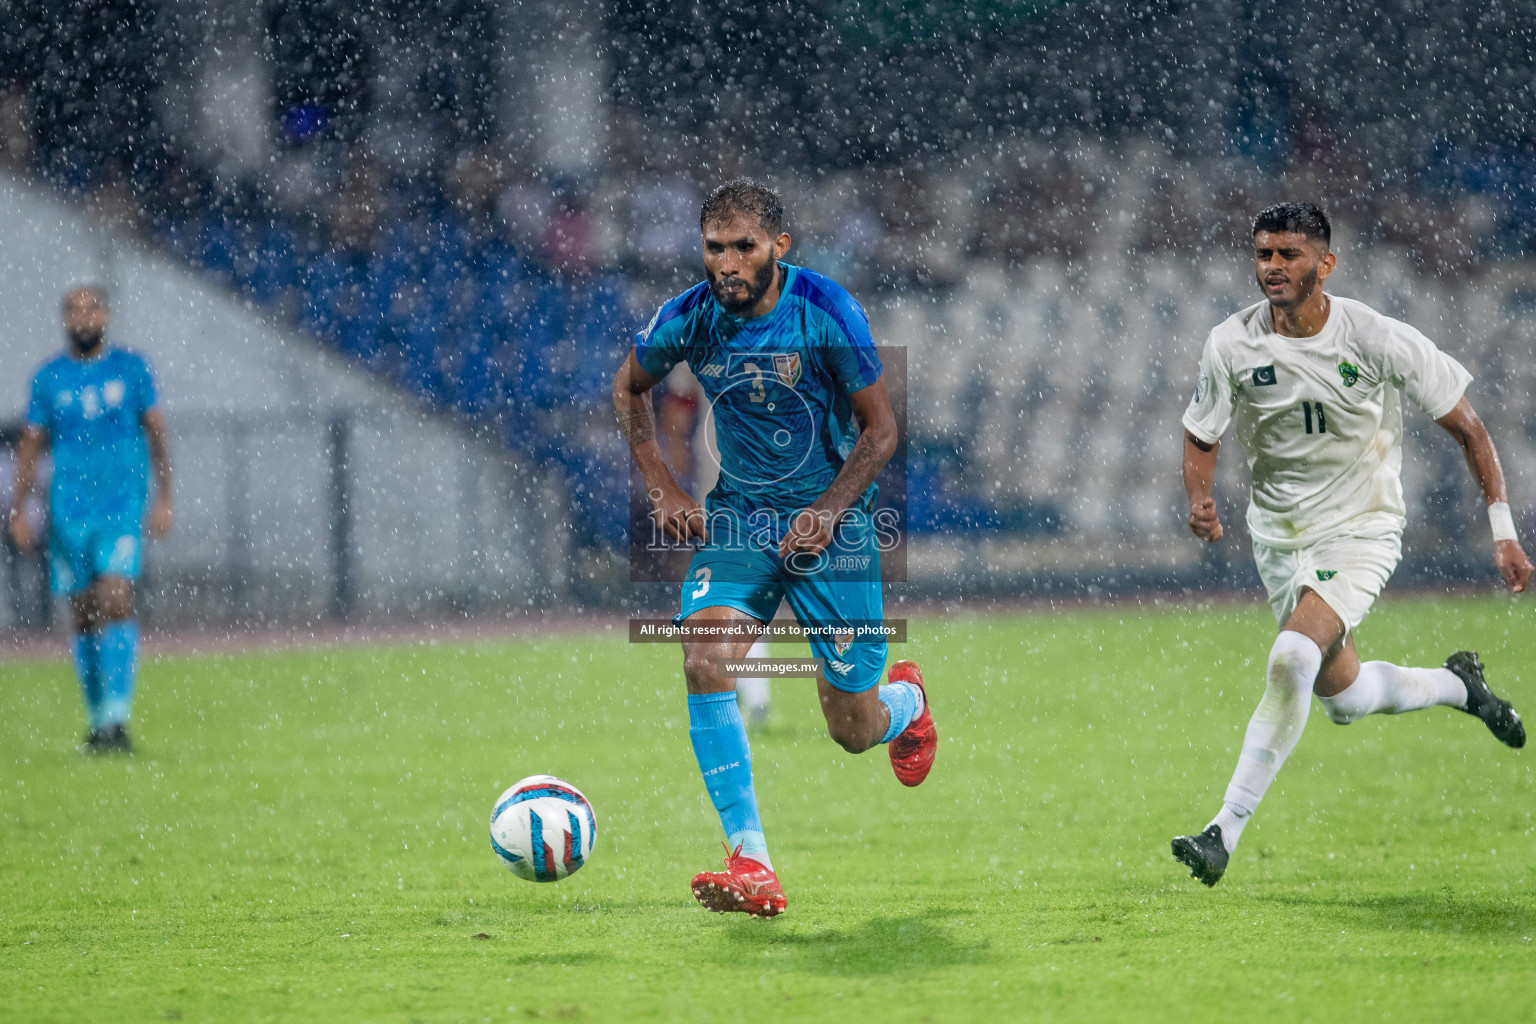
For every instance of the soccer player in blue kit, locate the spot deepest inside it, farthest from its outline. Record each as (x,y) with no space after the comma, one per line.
(94,409)
(803,425)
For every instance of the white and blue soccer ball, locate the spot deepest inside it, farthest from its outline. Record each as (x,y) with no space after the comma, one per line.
(543,829)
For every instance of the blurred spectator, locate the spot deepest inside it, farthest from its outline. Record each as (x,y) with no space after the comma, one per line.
(15,132)
(474,182)
(665,220)
(839,235)
(355,213)
(1166,221)
(25,574)
(570,243)
(1313,138)
(115,205)
(909,210)
(304,176)
(1036,205)
(525,209)
(1438,236)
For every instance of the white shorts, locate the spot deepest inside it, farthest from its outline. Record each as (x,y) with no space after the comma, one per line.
(1346,569)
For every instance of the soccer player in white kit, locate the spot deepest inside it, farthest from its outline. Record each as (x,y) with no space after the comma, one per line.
(1313,382)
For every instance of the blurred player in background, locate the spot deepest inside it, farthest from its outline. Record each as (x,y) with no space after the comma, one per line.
(94,410)
(1313,381)
(754,693)
(803,424)
(26,572)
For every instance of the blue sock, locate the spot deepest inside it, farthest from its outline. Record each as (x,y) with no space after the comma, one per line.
(904,703)
(88,670)
(720,744)
(119,643)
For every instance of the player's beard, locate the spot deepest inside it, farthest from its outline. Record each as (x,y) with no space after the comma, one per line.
(1306,284)
(756,289)
(85,340)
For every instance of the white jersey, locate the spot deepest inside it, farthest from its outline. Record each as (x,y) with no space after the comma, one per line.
(1319,418)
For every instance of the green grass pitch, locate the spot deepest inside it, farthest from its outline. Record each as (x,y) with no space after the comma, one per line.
(302,837)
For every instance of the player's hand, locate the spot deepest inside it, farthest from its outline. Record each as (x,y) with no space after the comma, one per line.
(681,517)
(160,518)
(1203,521)
(810,530)
(22,530)
(1513,564)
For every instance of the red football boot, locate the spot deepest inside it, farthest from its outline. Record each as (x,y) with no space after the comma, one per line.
(913,751)
(744,886)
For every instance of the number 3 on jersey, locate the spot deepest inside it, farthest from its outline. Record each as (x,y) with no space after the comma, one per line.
(1311,409)
(758,392)
(702,575)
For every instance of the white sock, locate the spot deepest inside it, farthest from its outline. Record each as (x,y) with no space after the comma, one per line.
(1388,689)
(1232,821)
(752,691)
(1273,730)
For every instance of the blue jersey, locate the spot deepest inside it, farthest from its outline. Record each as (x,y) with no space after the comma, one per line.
(777,386)
(92,411)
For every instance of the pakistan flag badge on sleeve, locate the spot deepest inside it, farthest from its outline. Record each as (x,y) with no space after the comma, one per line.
(1350,372)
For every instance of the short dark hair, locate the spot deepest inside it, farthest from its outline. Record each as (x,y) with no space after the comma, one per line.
(1299,218)
(743,195)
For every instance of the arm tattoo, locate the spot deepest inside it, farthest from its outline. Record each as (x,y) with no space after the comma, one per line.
(637,422)
(859,471)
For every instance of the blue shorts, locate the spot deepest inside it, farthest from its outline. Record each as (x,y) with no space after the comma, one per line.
(840,587)
(78,552)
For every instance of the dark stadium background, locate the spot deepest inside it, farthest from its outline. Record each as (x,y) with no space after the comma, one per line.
(470,207)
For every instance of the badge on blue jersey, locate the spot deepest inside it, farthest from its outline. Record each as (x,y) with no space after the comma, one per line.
(787,366)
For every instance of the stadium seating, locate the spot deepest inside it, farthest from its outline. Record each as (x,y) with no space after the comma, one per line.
(1047,384)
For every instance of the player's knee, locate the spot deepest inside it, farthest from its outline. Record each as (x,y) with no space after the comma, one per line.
(852,736)
(700,664)
(113,599)
(1340,710)
(1284,670)
(117,608)
(1294,661)
(850,727)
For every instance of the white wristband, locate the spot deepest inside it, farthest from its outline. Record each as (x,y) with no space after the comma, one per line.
(1502,522)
